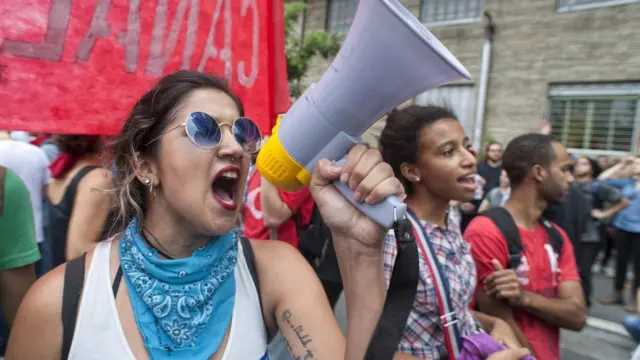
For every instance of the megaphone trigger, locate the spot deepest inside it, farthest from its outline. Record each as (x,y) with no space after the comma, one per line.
(384,213)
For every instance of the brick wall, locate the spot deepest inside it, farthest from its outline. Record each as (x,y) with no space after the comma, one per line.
(533,47)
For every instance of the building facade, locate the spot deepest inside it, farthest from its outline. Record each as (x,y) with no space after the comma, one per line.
(573,63)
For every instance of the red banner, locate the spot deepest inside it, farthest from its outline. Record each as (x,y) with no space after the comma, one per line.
(78,66)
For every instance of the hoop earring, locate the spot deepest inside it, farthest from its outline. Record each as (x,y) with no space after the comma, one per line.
(153,191)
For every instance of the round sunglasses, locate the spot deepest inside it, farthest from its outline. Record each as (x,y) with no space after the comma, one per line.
(206,132)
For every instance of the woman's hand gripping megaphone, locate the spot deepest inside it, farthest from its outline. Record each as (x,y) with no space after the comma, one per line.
(369,181)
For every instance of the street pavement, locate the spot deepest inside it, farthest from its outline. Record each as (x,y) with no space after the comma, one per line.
(602,287)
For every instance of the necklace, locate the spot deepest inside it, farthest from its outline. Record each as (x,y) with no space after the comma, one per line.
(144,237)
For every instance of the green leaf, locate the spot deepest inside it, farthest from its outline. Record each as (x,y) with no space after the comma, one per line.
(300,50)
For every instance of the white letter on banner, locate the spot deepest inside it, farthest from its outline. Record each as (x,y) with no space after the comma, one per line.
(210,50)
(244,80)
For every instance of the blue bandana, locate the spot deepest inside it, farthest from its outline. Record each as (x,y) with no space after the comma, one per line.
(173,301)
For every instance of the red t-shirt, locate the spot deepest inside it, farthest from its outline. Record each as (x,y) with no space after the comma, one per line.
(538,273)
(299,202)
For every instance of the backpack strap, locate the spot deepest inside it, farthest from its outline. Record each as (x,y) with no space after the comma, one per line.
(250,260)
(400,295)
(504,222)
(555,238)
(72,290)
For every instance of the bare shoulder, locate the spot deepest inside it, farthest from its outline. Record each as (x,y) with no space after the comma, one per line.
(39,317)
(99,179)
(44,298)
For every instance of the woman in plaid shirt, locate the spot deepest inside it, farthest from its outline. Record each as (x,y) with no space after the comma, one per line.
(432,156)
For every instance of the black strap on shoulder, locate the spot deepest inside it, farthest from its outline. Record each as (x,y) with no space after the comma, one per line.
(555,238)
(251,265)
(116,282)
(503,220)
(400,296)
(73,283)
(70,191)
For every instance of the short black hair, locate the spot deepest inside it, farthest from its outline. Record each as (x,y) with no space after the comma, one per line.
(400,138)
(524,152)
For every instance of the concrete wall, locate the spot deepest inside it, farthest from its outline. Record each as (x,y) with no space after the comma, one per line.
(534,46)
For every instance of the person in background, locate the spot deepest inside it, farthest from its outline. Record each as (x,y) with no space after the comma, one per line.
(270,213)
(44,142)
(429,152)
(491,168)
(31,164)
(547,294)
(18,248)
(626,177)
(604,163)
(597,194)
(497,196)
(77,212)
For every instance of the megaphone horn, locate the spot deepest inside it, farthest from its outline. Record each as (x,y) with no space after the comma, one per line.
(387,58)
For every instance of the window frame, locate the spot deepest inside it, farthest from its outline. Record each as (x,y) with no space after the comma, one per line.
(454,22)
(328,17)
(599,5)
(606,91)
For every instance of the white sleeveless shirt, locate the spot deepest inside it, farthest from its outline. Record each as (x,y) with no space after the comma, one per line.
(99,334)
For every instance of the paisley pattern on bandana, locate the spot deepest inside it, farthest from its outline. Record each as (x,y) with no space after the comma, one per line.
(183,307)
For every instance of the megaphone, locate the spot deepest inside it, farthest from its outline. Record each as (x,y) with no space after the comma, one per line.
(387,58)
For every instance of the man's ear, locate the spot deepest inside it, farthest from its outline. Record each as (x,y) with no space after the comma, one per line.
(410,172)
(539,173)
(146,169)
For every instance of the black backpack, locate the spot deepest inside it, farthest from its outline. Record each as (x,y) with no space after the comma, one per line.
(503,220)
(314,237)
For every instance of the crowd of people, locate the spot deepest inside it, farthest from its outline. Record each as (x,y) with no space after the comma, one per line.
(136,247)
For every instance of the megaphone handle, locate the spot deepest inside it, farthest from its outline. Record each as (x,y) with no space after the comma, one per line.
(384,213)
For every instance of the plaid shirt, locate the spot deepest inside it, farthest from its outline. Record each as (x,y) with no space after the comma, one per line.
(423,335)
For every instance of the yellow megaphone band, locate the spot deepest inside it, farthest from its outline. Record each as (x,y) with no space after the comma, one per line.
(278,167)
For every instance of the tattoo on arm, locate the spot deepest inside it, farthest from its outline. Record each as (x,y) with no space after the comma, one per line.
(303,339)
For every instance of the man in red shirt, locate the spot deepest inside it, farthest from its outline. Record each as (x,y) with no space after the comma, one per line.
(544,293)
(270,213)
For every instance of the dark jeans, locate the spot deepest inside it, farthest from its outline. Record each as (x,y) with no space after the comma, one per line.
(46,259)
(628,246)
(585,259)
(608,244)
(632,324)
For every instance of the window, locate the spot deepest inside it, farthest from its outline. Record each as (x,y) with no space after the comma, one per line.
(577,5)
(340,14)
(600,118)
(449,12)
(459,98)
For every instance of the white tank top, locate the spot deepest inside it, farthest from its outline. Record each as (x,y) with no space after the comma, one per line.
(99,335)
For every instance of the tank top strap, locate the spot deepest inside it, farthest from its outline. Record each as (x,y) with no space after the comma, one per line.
(70,192)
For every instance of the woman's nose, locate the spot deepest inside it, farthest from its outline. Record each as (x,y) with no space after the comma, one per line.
(229,146)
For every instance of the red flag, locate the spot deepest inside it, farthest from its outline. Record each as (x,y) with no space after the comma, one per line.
(79,66)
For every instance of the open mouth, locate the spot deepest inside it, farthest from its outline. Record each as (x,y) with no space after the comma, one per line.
(469,180)
(225,186)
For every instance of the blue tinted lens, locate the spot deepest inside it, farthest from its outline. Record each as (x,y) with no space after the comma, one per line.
(247,134)
(203,130)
